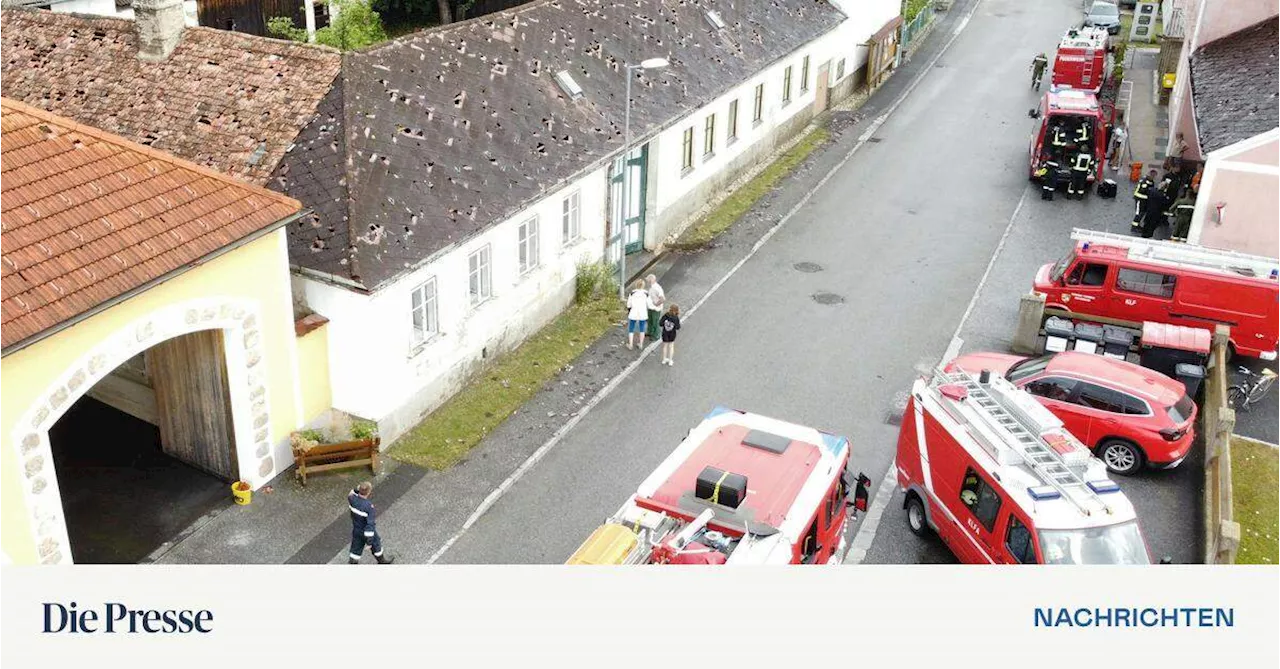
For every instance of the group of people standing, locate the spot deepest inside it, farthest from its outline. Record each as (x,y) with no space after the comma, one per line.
(649,314)
(1070,143)
(1155,201)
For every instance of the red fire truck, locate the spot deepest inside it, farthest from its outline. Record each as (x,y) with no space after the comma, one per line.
(988,468)
(740,489)
(1069,110)
(1137,280)
(1084,60)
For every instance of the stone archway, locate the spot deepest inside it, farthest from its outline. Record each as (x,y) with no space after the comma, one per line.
(246,375)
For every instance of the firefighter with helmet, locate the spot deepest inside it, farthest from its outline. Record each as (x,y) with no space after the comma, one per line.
(1081,163)
(1048,174)
(1038,66)
(1141,195)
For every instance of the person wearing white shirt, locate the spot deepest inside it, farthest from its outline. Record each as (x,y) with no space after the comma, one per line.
(637,314)
(657,304)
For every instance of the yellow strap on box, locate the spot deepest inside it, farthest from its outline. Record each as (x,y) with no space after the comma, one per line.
(715,494)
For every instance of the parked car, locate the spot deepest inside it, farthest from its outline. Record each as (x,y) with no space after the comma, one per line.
(1130,416)
(1103,15)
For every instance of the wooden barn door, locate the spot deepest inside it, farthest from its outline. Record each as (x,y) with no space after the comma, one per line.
(193,401)
(821,95)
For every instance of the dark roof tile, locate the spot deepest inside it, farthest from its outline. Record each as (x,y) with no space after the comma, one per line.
(1234,82)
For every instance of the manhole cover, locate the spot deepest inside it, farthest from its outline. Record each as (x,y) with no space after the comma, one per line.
(808,267)
(828,298)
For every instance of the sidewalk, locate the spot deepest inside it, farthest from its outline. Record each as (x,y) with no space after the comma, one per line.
(422,511)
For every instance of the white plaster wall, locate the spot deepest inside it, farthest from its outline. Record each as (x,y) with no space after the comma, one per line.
(668,182)
(865,18)
(374,372)
(108,8)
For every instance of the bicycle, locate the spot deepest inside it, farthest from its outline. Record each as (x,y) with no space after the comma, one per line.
(1250,389)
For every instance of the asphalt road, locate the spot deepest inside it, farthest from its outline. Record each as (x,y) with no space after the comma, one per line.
(903,232)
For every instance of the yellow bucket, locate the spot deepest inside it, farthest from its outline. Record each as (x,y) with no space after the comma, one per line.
(242,492)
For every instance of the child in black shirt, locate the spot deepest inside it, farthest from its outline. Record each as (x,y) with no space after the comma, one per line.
(669,324)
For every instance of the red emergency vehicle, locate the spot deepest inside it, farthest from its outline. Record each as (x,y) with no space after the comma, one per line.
(740,489)
(1069,110)
(1084,60)
(1000,479)
(1136,280)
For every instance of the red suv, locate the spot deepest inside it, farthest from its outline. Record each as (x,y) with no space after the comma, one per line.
(1132,416)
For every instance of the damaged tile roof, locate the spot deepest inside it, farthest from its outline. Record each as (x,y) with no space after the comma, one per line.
(86,216)
(225,100)
(431,138)
(1234,82)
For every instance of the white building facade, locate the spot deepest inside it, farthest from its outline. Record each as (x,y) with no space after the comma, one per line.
(400,352)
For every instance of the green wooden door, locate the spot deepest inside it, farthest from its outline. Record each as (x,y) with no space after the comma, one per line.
(635,175)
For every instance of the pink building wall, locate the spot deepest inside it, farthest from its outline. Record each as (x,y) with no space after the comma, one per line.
(1206,21)
(1246,177)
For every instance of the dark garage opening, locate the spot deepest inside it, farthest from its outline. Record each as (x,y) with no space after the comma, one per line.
(122,496)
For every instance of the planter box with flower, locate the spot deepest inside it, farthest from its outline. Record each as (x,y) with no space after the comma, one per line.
(345,444)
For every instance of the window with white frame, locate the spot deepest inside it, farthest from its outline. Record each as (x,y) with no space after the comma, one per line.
(425,319)
(786,85)
(731,129)
(571,217)
(686,150)
(480,284)
(804,75)
(527,245)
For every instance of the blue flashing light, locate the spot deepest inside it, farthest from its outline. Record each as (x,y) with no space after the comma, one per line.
(1275,273)
(1104,486)
(719,410)
(1043,492)
(1085,247)
(834,444)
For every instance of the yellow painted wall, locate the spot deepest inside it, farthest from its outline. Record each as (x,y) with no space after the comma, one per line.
(313,373)
(257,271)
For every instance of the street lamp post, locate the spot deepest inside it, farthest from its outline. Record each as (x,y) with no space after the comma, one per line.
(647,64)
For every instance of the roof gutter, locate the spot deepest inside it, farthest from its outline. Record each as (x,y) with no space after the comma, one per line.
(133,292)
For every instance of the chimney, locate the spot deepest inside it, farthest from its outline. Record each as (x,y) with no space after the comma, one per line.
(160,24)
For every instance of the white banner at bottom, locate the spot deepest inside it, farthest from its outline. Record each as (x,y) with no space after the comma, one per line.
(374,616)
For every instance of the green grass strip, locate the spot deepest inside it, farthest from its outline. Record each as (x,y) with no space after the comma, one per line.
(740,202)
(1255,468)
(445,437)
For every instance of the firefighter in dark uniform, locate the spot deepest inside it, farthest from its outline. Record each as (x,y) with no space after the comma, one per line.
(364,529)
(1155,217)
(1048,174)
(1038,65)
(1058,140)
(1082,135)
(1081,163)
(1182,210)
(1141,194)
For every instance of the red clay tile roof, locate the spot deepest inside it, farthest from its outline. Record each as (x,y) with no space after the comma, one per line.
(86,216)
(217,98)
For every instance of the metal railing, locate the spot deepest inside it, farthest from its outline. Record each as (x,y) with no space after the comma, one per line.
(915,29)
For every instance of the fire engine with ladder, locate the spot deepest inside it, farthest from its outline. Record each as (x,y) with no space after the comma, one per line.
(1083,60)
(1197,286)
(740,489)
(998,478)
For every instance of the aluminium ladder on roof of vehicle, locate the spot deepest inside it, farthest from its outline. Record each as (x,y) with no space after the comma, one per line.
(1045,462)
(1183,254)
